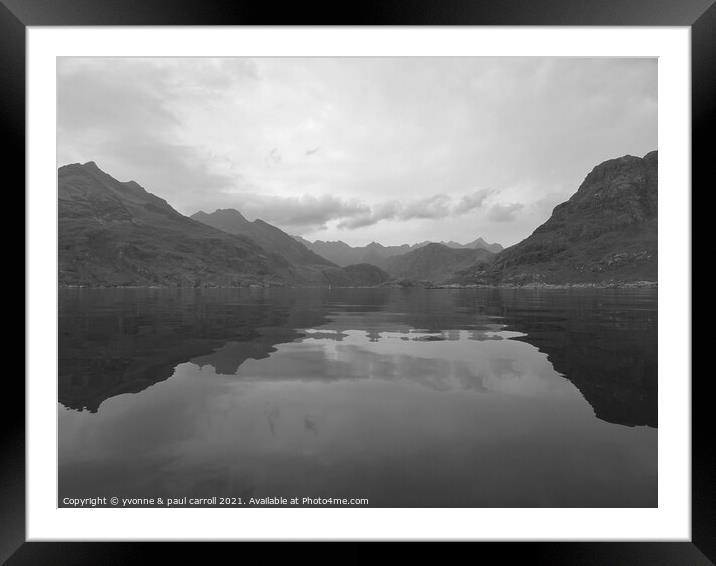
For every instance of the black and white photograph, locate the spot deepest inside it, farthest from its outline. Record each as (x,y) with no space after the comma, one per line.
(357,282)
(398,280)
(386,274)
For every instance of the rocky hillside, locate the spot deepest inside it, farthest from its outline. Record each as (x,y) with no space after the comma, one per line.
(436,263)
(606,232)
(269,237)
(116,233)
(358,275)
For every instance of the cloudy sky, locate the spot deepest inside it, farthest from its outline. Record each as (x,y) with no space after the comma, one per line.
(396,150)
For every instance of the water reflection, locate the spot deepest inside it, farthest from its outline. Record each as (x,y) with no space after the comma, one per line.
(122,341)
(408,397)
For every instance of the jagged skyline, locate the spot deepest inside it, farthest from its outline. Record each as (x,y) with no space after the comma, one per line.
(393,150)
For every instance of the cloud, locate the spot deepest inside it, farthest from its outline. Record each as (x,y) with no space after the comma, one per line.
(274,157)
(123,114)
(299,213)
(398,144)
(309,212)
(472,201)
(436,206)
(504,212)
(372,215)
(429,208)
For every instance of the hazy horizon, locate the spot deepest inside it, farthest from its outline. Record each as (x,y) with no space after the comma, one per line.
(393,150)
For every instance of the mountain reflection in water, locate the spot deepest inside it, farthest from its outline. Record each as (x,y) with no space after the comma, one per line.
(489,397)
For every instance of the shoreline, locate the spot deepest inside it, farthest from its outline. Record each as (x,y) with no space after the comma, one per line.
(597,285)
(594,285)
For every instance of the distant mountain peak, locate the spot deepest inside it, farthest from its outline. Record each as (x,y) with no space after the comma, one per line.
(480,242)
(89,165)
(229,212)
(380,255)
(435,262)
(269,237)
(116,233)
(91,168)
(225,216)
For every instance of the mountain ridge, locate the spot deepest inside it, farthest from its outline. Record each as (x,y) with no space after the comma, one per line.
(114,233)
(269,237)
(117,233)
(377,254)
(436,262)
(605,232)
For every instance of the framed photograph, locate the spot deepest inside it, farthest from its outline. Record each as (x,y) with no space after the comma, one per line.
(399,278)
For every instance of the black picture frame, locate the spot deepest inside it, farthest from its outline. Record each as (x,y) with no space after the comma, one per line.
(17,15)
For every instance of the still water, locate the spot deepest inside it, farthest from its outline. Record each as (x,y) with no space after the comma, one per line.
(404,397)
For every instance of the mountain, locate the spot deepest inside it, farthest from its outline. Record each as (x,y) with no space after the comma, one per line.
(310,268)
(357,275)
(374,253)
(436,263)
(117,233)
(342,254)
(269,237)
(114,233)
(606,232)
(480,244)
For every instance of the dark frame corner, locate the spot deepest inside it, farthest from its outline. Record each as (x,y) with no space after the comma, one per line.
(17,15)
